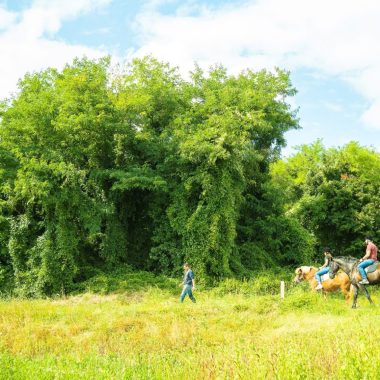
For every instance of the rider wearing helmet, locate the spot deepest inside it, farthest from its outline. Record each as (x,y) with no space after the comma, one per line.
(368,259)
(324,268)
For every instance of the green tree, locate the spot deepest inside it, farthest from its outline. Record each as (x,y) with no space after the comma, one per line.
(334,193)
(101,166)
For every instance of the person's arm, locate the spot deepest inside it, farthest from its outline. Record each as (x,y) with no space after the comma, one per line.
(367,253)
(192,279)
(325,264)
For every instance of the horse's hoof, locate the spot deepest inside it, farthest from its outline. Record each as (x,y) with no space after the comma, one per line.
(354,307)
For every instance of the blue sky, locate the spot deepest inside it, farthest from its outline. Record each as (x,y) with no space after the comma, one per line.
(331,48)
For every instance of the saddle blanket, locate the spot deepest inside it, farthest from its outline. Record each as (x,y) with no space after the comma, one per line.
(325,277)
(372,267)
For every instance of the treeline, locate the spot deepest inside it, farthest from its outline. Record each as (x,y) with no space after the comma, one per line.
(136,165)
(334,193)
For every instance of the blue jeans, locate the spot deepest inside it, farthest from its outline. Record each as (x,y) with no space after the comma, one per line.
(364,264)
(187,290)
(321,273)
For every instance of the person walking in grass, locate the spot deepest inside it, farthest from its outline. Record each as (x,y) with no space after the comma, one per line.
(188,283)
(323,269)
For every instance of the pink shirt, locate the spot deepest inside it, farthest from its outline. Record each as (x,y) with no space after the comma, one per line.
(373,251)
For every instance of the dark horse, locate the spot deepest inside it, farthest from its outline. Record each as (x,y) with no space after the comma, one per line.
(349,265)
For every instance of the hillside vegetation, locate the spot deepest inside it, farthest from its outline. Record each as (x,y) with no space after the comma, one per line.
(237,330)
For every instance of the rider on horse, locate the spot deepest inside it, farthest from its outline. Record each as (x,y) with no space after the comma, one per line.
(323,269)
(368,259)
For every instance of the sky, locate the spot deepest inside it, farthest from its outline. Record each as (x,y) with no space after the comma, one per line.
(331,48)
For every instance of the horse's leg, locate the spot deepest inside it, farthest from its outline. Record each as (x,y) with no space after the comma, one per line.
(347,292)
(355,296)
(365,291)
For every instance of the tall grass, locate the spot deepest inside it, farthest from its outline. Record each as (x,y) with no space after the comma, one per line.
(235,331)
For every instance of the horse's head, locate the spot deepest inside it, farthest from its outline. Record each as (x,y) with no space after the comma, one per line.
(345,263)
(300,274)
(333,268)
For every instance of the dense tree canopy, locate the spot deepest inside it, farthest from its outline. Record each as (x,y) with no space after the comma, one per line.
(334,193)
(101,166)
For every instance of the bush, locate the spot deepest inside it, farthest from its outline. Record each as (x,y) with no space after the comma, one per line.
(263,283)
(125,280)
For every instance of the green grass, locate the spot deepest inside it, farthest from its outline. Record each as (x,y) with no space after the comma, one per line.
(235,331)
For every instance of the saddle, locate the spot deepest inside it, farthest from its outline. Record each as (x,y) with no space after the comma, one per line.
(372,267)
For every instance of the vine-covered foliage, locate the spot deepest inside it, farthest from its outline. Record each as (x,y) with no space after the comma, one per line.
(101,166)
(334,193)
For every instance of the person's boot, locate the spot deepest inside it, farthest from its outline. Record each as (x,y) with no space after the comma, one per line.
(319,287)
(364,281)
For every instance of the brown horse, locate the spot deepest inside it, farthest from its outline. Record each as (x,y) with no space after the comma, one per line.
(340,282)
(350,266)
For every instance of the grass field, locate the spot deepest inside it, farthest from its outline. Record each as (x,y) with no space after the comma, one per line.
(235,331)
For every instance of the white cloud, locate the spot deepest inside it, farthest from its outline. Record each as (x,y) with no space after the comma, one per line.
(47,15)
(339,38)
(6,18)
(371,116)
(27,39)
